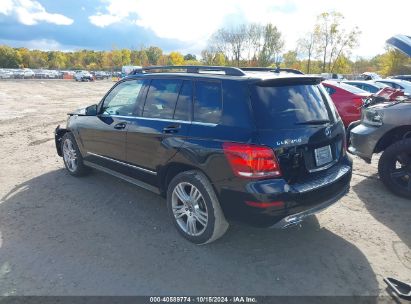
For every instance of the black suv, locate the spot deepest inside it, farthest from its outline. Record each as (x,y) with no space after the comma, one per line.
(267,147)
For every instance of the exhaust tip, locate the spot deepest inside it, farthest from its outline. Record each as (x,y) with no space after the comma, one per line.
(292,223)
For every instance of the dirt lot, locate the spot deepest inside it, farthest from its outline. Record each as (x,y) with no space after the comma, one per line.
(98,235)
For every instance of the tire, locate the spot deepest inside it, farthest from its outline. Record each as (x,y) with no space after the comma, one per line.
(73,160)
(204,213)
(394,168)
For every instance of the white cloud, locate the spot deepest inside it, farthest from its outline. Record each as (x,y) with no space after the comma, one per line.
(6,7)
(103,20)
(194,21)
(30,12)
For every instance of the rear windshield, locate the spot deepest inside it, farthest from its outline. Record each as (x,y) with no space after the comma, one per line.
(290,106)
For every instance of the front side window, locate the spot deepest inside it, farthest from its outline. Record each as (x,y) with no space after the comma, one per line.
(122,99)
(161,98)
(208,102)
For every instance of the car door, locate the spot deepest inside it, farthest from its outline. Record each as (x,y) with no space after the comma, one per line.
(104,136)
(158,130)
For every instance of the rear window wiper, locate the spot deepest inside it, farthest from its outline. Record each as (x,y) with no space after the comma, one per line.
(314,122)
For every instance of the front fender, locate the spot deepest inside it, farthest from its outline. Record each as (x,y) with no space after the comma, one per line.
(58,135)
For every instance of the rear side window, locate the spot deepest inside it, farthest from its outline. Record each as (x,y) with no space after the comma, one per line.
(161,98)
(289,106)
(207,102)
(183,106)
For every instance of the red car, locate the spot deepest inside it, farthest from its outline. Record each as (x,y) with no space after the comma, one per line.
(347,99)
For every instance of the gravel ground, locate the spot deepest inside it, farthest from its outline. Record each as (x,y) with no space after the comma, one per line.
(98,235)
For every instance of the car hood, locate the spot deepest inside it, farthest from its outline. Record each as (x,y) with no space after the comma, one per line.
(402,43)
(80,111)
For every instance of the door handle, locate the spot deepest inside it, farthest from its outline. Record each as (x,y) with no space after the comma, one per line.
(120,125)
(172,129)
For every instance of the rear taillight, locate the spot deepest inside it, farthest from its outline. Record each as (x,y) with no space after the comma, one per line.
(252,161)
(358,102)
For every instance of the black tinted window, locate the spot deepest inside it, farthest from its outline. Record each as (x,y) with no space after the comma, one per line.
(282,107)
(161,98)
(183,106)
(207,102)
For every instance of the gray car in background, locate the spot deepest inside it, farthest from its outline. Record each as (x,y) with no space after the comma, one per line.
(397,84)
(386,127)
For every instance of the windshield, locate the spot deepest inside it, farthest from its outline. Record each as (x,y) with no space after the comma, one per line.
(289,106)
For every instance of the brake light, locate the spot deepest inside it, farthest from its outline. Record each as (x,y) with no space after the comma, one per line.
(252,161)
(358,102)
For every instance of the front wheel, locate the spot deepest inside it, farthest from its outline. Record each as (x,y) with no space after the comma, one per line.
(394,168)
(194,208)
(72,156)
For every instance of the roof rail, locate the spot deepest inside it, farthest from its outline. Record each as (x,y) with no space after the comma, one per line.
(274,70)
(230,71)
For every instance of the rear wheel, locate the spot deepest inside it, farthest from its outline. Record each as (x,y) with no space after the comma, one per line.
(394,168)
(72,156)
(194,208)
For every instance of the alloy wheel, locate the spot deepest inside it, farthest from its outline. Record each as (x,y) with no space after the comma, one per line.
(70,155)
(189,209)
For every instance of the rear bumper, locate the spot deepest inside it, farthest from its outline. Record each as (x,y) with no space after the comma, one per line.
(315,193)
(294,219)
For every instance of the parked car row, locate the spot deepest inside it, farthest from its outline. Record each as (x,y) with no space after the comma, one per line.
(52,74)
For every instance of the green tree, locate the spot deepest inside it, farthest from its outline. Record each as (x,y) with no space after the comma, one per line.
(290,60)
(25,57)
(272,46)
(190,57)
(153,54)
(56,60)
(306,46)
(9,58)
(126,57)
(394,62)
(116,59)
(332,39)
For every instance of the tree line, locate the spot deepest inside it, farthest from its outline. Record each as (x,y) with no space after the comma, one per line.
(327,48)
(89,59)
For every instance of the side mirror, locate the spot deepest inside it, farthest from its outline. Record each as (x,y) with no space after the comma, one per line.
(91,110)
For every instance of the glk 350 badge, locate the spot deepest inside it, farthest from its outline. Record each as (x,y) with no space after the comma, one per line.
(290,141)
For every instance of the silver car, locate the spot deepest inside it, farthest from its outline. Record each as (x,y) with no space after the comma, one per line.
(386,127)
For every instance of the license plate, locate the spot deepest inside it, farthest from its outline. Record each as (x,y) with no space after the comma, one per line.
(323,155)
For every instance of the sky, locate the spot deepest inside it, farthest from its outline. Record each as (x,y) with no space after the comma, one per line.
(186,25)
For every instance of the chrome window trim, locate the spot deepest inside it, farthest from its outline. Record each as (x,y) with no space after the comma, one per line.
(167,120)
(122,163)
